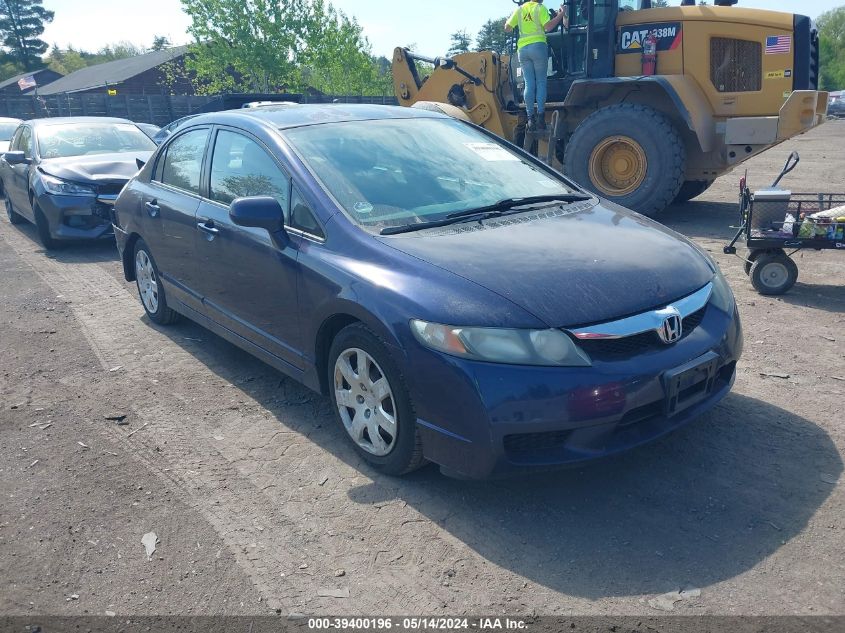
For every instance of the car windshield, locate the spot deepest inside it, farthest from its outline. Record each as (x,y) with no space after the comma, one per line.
(78,139)
(396,172)
(7,130)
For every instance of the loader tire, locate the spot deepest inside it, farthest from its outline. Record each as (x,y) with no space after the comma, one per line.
(630,154)
(692,189)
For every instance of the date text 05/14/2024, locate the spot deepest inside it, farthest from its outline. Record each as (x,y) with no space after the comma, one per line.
(417,623)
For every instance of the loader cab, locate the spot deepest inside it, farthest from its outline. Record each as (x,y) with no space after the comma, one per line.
(585,50)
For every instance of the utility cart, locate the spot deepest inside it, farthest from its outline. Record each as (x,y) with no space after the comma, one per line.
(777,223)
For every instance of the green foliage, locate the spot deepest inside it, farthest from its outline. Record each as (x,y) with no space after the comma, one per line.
(21,24)
(70,60)
(252,45)
(160,42)
(659,4)
(338,58)
(272,45)
(9,68)
(461,43)
(831,27)
(492,37)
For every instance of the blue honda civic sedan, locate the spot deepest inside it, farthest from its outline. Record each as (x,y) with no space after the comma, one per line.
(458,301)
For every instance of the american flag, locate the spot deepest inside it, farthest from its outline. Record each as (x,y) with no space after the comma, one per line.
(778,44)
(27,82)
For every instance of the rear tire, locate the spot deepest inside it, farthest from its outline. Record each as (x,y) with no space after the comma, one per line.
(607,151)
(14,216)
(149,286)
(360,372)
(773,273)
(692,189)
(48,241)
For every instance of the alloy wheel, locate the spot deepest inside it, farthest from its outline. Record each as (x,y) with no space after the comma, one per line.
(365,401)
(147,281)
(618,165)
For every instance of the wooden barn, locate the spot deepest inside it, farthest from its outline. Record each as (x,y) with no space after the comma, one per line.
(141,75)
(43,78)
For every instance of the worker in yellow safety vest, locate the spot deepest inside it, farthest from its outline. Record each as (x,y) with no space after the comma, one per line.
(533,21)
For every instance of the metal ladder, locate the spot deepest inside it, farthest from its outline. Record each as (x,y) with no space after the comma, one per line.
(548,138)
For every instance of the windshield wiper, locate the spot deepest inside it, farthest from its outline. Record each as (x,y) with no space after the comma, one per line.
(491,210)
(511,203)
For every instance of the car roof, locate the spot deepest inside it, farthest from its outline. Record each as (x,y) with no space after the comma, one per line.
(63,120)
(9,119)
(290,115)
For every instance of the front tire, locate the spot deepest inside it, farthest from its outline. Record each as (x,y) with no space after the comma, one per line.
(773,273)
(14,216)
(692,189)
(630,154)
(371,402)
(47,240)
(149,286)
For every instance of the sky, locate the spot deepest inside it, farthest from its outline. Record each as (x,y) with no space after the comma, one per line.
(91,24)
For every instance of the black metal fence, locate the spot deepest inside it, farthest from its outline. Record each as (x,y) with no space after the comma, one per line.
(157,109)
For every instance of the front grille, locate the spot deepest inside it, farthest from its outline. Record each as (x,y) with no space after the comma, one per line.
(629,346)
(813,83)
(110,188)
(639,423)
(736,65)
(525,444)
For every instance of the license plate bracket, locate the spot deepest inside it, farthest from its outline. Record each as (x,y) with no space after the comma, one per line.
(690,383)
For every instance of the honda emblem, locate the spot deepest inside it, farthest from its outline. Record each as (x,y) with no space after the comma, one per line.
(672,328)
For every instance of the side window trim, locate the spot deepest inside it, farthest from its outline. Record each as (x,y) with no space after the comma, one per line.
(296,192)
(28,132)
(16,137)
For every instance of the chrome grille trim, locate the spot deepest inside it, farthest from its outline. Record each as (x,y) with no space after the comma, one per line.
(646,321)
(107,199)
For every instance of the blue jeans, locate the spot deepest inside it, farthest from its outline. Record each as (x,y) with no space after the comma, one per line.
(534,60)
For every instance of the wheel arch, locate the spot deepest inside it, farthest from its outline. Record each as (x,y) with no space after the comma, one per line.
(676,96)
(129,257)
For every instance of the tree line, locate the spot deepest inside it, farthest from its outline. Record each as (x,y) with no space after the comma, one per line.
(270,45)
(831,25)
(293,45)
(240,45)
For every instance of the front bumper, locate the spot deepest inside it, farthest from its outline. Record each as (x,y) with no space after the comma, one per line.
(77,217)
(747,136)
(479,419)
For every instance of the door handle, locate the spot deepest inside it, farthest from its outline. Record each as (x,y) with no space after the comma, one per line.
(152,208)
(207,226)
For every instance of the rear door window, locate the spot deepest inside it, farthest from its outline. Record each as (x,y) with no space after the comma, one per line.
(182,164)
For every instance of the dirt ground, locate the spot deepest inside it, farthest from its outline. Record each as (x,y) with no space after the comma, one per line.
(260,505)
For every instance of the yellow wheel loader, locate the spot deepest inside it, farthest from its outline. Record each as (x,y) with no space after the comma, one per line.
(727,84)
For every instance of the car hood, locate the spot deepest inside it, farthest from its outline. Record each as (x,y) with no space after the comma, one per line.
(95,168)
(4,146)
(576,265)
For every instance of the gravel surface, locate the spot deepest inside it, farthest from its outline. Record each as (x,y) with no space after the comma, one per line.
(257,501)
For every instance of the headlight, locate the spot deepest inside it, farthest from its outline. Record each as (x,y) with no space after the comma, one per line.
(60,187)
(499,345)
(722,296)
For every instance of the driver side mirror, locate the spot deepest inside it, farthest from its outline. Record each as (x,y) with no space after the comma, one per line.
(263,212)
(16,158)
